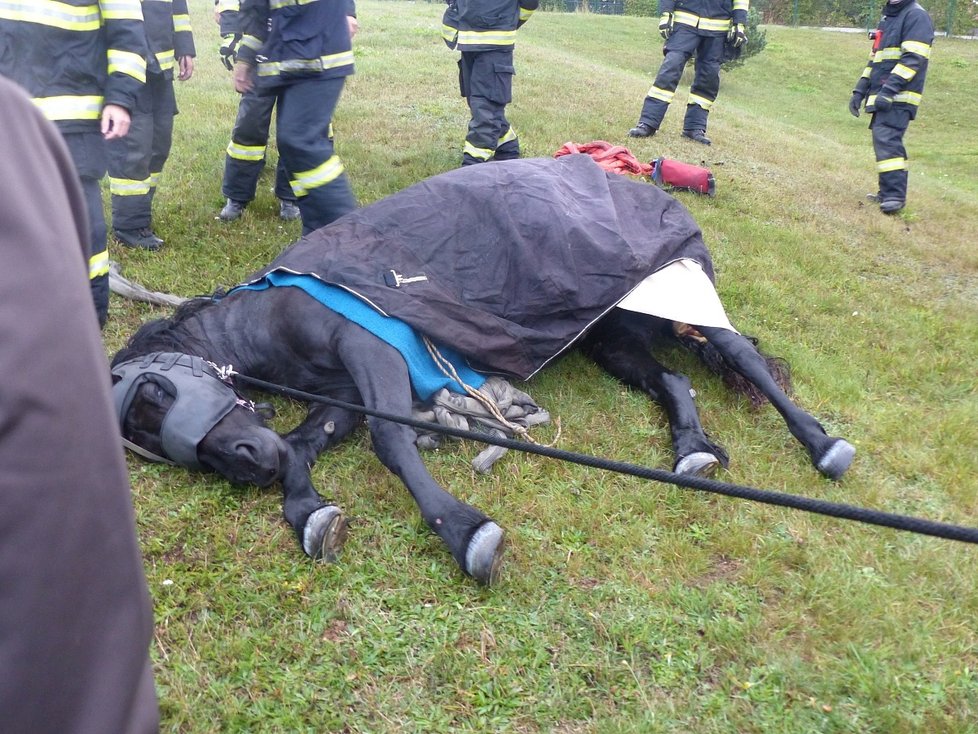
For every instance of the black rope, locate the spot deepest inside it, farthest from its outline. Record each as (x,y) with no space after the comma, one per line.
(770,497)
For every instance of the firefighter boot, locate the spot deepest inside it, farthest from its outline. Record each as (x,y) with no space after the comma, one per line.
(232,210)
(891,206)
(642,130)
(288,210)
(142,239)
(698,135)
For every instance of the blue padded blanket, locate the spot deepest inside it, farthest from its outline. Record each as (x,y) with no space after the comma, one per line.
(426,377)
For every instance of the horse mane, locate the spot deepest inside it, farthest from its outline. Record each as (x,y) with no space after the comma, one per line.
(165,335)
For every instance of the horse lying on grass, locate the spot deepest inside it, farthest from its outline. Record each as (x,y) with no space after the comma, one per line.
(509,264)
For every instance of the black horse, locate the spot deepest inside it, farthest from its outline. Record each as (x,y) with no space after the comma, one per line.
(174,402)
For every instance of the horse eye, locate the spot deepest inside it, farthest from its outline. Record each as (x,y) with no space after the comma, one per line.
(155,394)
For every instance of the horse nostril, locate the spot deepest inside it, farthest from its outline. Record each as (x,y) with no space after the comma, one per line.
(248,451)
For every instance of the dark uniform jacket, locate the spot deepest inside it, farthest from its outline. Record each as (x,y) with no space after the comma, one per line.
(292,42)
(710,17)
(897,65)
(484,25)
(73,72)
(75,617)
(168,34)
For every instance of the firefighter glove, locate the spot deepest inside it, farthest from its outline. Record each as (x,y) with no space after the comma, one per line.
(737,35)
(882,103)
(855,102)
(665,25)
(229,50)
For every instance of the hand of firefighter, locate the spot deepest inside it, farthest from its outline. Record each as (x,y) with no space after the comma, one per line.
(855,102)
(229,50)
(243,76)
(665,25)
(883,101)
(737,35)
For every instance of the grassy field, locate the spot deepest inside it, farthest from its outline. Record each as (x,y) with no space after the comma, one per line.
(625,606)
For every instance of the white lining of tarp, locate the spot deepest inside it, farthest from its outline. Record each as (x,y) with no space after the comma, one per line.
(681,292)
(696,297)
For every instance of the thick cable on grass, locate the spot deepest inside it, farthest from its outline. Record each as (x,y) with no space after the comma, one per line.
(770,497)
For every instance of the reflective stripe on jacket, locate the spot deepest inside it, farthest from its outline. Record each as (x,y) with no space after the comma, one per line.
(168,34)
(74,56)
(710,16)
(897,64)
(484,25)
(296,39)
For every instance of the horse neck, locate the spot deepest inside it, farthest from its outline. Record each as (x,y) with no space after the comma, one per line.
(208,334)
(204,333)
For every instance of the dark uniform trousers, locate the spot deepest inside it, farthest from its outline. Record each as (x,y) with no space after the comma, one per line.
(684,43)
(486,82)
(245,158)
(321,187)
(888,129)
(88,154)
(136,161)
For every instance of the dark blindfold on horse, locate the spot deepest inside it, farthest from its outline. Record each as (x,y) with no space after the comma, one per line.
(201,398)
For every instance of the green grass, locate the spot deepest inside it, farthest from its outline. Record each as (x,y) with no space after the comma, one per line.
(626,606)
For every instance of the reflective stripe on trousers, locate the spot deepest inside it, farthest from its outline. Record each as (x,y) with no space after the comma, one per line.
(305,110)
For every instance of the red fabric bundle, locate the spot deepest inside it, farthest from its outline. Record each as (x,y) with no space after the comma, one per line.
(613,158)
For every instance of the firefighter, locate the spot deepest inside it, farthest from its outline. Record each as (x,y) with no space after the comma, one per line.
(85,76)
(690,28)
(891,86)
(246,153)
(136,161)
(300,54)
(484,31)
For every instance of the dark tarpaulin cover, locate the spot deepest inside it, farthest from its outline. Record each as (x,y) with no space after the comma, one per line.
(518,257)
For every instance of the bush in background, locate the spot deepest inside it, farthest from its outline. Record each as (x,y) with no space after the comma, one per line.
(756,40)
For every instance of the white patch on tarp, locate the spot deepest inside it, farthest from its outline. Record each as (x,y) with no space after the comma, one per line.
(681,292)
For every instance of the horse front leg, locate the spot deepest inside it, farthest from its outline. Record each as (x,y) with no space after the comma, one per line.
(474,540)
(830,455)
(320,527)
(324,426)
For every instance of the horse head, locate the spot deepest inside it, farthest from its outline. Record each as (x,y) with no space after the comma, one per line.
(179,408)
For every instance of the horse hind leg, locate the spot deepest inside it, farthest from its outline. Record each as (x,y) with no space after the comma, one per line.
(831,455)
(621,345)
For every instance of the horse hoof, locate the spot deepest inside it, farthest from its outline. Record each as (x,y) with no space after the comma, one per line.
(485,554)
(325,533)
(699,464)
(837,459)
